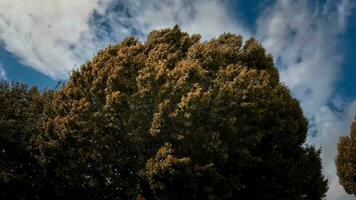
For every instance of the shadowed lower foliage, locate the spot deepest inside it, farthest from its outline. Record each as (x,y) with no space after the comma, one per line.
(176,118)
(346,160)
(22,111)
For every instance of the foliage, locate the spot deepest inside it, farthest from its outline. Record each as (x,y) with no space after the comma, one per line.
(346,160)
(176,118)
(21,114)
(170,118)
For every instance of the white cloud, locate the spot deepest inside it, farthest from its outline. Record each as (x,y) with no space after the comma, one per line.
(304,41)
(42,33)
(208,17)
(54,36)
(296,36)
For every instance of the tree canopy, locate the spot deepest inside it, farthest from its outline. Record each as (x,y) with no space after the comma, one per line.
(346,160)
(177,118)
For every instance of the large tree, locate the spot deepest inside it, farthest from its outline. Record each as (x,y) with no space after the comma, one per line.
(22,110)
(176,118)
(346,160)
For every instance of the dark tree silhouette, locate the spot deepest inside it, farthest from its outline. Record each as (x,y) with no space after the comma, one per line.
(21,113)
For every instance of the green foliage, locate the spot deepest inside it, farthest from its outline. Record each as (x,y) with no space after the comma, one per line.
(346,160)
(171,118)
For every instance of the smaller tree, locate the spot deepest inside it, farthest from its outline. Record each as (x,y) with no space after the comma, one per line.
(346,160)
(22,111)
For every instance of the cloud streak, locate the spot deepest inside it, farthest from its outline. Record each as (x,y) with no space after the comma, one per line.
(2,72)
(208,17)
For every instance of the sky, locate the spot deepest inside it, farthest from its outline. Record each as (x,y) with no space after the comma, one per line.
(311,41)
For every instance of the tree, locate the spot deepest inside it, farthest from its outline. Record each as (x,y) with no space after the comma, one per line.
(176,118)
(21,114)
(346,160)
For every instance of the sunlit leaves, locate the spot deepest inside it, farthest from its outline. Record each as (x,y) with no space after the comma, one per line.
(346,160)
(177,118)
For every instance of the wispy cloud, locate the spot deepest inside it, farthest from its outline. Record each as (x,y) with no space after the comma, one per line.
(2,72)
(303,38)
(208,17)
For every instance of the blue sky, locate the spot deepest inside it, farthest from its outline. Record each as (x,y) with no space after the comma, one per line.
(347,82)
(18,72)
(312,43)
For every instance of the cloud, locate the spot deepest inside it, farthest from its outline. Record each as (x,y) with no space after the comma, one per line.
(44,34)
(208,17)
(303,38)
(55,36)
(2,72)
(330,126)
